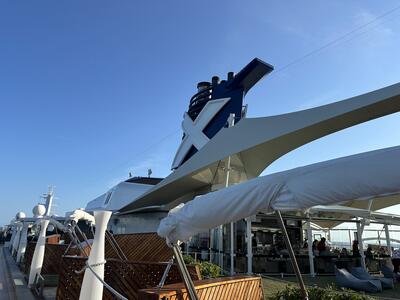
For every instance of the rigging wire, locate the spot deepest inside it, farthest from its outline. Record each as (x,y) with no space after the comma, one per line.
(337,40)
(145,150)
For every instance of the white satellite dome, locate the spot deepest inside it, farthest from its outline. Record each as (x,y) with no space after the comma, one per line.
(20,215)
(39,210)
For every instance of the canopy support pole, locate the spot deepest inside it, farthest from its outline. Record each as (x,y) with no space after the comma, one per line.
(292,255)
(360,230)
(310,250)
(231,122)
(232,249)
(249,246)
(388,244)
(350,239)
(211,245)
(187,280)
(220,246)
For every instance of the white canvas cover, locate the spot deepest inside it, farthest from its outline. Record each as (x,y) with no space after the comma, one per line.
(363,176)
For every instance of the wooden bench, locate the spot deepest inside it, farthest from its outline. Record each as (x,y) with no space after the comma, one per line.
(224,288)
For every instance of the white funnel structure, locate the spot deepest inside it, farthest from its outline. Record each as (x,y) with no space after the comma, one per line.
(92,288)
(23,241)
(38,255)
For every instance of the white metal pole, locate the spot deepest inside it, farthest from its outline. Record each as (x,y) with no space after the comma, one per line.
(92,288)
(232,249)
(38,254)
(388,244)
(292,255)
(23,242)
(211,245)
(350,238)
(187,280)
(310,250)
(360,244)
(231,122)
(221,246)
(249,246)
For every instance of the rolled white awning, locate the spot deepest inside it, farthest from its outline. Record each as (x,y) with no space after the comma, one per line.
(369,175)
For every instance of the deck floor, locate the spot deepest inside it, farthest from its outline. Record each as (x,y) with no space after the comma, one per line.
(7,290)
(12,282)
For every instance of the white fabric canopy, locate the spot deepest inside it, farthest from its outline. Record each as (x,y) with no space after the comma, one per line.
(363,176)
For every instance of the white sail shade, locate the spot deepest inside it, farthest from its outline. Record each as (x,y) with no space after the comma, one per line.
(255,143)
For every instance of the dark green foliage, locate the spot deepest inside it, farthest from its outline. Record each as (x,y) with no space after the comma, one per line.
(315,293)
(188,260)
(207,270)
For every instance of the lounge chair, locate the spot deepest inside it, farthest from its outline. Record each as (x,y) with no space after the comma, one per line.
(361,273)
(346,280)
(388,271)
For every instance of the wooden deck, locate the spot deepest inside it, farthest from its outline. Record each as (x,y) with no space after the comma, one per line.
(224,288)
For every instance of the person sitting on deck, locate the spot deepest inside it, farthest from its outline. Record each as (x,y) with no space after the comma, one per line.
(368,253)
(322,247)
(305,245)
(314,247)
(344,253)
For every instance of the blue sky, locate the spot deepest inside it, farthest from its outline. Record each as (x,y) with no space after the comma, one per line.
(90,90)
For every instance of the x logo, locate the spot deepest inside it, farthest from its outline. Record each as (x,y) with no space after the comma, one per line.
(193,130)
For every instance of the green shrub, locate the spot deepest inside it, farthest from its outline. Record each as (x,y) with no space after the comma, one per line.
(315,293)
(207,270)
(188,260)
